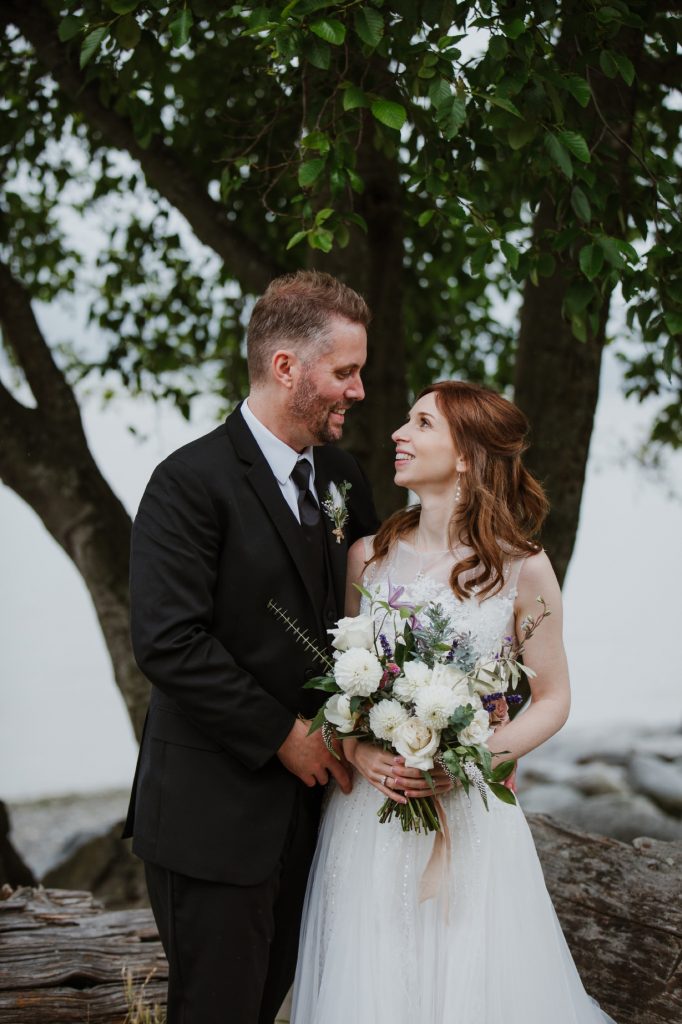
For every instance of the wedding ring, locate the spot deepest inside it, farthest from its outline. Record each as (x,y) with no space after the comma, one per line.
(383,780)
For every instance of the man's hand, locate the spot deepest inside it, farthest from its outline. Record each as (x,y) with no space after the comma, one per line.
(308,758)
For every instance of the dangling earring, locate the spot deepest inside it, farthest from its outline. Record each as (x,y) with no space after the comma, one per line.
(458,490)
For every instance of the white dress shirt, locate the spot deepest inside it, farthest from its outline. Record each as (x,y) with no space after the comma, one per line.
(280,457)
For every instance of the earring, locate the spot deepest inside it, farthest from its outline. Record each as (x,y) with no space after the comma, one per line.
(458,490)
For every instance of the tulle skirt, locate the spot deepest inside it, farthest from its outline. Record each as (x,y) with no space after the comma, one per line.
(488,949)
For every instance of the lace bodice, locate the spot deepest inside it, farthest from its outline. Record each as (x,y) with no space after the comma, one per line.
(425,578)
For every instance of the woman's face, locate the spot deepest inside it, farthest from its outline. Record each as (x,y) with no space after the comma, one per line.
(426,456)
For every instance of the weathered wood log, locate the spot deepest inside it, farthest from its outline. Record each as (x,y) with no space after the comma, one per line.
(63,960)
(620,906)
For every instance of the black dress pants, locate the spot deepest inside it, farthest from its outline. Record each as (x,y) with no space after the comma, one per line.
(232,949)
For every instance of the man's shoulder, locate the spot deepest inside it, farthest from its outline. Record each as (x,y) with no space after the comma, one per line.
(199,456)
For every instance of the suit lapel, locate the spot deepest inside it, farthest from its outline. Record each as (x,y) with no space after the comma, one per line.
(337,552)
(261,478)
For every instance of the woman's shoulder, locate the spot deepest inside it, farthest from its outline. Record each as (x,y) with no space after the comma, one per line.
(537,578)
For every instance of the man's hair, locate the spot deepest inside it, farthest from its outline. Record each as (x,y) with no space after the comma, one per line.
(295,311)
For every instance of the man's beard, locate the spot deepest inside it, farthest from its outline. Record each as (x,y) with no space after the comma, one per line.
(310,408)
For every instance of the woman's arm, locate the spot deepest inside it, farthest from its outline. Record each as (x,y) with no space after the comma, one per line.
(545,654)
(354,573)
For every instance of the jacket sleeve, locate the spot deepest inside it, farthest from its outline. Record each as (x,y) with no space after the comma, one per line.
(176,542)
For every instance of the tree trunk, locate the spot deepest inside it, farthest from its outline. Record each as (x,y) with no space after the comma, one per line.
(372,263)
(556,376)
(45,459)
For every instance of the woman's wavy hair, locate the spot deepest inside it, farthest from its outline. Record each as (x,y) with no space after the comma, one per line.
(502,506)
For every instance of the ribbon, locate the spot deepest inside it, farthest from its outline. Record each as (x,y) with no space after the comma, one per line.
(434,880)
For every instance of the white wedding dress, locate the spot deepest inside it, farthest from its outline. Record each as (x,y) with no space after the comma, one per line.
(489,948)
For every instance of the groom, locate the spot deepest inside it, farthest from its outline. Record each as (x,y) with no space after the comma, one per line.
(226,796)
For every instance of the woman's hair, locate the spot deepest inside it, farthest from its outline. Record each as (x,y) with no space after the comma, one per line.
(296,310)
(502,506)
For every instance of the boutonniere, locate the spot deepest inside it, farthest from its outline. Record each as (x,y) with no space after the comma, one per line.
(336,508)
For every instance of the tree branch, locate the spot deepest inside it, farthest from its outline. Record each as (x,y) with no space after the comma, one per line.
(50,390)
(163,168)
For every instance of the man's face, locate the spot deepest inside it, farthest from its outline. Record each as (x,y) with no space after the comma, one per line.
(326,387)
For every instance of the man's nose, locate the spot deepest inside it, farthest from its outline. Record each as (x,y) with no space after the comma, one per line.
(356,391)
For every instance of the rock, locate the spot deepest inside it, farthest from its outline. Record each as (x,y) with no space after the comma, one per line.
(13,870)
(659,780)
(665,746)
(547,798)
(621,816)
(103,865)
(591,779)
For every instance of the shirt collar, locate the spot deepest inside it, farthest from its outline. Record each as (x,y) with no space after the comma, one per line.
(279,456)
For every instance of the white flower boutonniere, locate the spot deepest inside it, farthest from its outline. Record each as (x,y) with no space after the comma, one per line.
(335,507)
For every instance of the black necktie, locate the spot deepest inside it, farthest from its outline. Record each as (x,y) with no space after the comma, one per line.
(308,508)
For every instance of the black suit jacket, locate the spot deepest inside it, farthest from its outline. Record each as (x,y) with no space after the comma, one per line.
(213,541)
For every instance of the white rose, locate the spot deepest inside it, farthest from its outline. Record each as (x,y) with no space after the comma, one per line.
(337,711)
(434,704)
(417,743)
(477,731)
(353,631)
(449,675)
(385,717)
(415,676)
(358,672)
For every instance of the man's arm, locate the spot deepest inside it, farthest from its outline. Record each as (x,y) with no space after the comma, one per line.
(176,542)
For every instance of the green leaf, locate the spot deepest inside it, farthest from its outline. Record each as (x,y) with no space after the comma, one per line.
(626,67)
(180,28)
(309,171)
(498,48)
(580,204)
(393,115)
(673,321)
(456,117)
(354,97)
(322,239)
(326,683)
(514,29)
(575,143)
(559,154)
(123,6)
(369,25)
(608,64)
(669,352)
(92,43)
(591,260)
(425,217)
(316,140)
(330,30)
(319,55)
(127,32)
(503,794)
(295,239)
(579,89)
(439,92)
(69,27)
(520,132)
(322,215)
(317,722)
(511,254)
(612,250)
(356,182)
(505,104)
(503,771)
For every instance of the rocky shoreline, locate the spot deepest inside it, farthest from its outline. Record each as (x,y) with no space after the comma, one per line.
(619,784)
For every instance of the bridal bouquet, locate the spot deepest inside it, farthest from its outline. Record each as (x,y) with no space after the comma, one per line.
(404,678)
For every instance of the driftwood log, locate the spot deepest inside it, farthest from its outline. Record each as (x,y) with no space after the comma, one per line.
(64,960)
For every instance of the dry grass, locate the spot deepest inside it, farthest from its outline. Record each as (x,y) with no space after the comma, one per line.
(139,1012)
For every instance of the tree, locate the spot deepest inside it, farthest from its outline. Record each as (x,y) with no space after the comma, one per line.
(444,158)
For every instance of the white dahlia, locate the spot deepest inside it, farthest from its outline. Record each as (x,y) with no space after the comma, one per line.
(434,704)
(358,672)
(416,675)
(385,717)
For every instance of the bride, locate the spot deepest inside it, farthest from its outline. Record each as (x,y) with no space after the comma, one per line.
(487,948)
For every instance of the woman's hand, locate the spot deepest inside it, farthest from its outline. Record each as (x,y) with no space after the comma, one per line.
(387,772)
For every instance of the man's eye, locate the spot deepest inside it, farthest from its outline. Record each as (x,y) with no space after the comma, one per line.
(343,374)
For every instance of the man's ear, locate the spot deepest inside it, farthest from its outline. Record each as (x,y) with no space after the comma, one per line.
(285,365)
